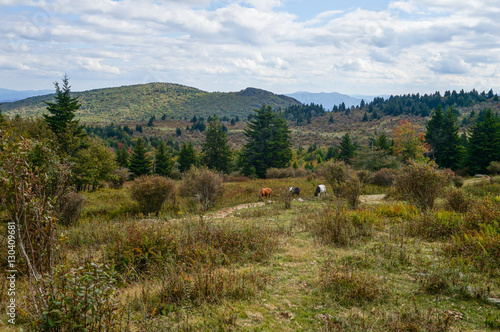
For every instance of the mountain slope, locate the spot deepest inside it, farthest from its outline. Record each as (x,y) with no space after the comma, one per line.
(140,102)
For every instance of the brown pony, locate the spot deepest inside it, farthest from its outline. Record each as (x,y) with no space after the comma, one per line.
(265,192)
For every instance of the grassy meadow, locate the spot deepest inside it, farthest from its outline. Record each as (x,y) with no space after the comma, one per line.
(284,264)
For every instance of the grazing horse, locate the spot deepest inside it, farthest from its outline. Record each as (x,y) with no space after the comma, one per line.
(265,192)
(320,189)
(295,191)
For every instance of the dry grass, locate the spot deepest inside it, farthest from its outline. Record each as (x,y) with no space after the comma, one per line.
(261,267)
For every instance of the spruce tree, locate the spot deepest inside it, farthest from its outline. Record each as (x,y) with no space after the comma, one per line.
(347,148)
(62,112)
(484,142)
(268,143)
(216,154)
(187,157)
(139,163)
(435,135)
(452,150)
(122,157)
(163,162)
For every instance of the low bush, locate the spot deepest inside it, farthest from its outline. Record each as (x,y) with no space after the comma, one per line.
(120,176)
(434,225)
(140,247)
(82,299)
(350,287)
(203,186)
(335,226)
(421,183)
(384,177)
(458,201)
(290,172)
(477,248)
(206,284)
(151,191)
(69,208)
(494,168)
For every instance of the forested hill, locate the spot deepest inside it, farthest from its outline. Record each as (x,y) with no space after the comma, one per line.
(422,105)
(141,102)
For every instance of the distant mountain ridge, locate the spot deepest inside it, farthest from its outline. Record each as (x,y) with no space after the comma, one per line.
(142,101)
(7,95)
(327,99)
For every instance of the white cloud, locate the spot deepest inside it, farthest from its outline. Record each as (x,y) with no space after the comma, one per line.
(221,45)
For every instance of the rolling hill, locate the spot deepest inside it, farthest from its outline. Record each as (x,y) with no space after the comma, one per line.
(140,102)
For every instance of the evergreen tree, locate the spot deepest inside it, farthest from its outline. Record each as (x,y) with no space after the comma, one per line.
(382,142)
(435,133)
(62,112)
(484,142)
(330,120)
(122,157)
(139,163)
(178,131)
(163,162)
(347,148)
(452,150)
(365,117)
(187,157)
(216,154)
(268,143)
(151,121)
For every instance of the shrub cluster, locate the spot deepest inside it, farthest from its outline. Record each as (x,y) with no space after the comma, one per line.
(69,208)
(203,186)
(139,247)
(336,226)
(421,183)
(151,191)
(350,287)
(384,177)
(82,299)
(290,172)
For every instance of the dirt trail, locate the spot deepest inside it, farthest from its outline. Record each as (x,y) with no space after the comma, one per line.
(227,211)
(371,199)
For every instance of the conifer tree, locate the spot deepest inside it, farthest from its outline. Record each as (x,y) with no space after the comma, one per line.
(187,157)
(347,148)
(484,142)
(122,157)
(139,163)
(434,135)
(216,154)
(268,143)
(62,112)
(163,162)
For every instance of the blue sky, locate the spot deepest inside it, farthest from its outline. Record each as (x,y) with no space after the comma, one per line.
(353,47)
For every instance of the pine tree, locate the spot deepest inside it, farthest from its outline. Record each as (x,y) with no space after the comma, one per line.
(62,112)
(216,154)
(187,157)
(139,163)
(268,143)
(163,162)
(484,142)
(347,148)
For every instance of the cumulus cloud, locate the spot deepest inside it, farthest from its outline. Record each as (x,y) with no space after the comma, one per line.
(220,45)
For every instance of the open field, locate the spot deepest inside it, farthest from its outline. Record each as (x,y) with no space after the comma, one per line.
(254,265)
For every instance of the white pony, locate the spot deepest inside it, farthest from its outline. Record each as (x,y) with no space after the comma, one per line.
(320,189)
